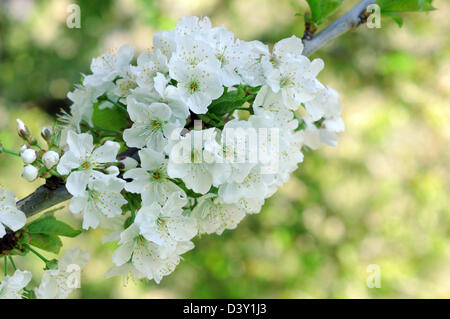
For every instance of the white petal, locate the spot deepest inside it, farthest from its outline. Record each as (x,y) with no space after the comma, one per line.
(77,182)
(150,159)
(106,153)
(80,144)
(68,162)
(13,218)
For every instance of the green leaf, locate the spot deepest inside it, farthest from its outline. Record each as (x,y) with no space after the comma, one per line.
(227,103)
(46,242)
(405,5)
(53,227)
(48,224)
(109,118)
(395,17)
(321,9)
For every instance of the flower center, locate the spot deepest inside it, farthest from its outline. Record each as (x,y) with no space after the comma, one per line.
(193,86)
(156,175)
(155,125)
(86,165)
(286,81)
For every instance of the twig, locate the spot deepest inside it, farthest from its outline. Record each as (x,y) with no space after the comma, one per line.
(347,22)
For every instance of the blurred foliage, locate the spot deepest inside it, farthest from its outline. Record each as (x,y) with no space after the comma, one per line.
(380,197)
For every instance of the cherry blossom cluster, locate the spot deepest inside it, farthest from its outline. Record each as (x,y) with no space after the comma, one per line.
(186,141)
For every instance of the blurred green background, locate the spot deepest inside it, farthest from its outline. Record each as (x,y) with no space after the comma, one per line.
(381,197)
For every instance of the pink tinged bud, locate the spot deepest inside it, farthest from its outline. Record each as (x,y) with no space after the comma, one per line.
(29,173)
(21,125)
(28,156)
(46,134)
(128,163)
(112,170)
(50,159)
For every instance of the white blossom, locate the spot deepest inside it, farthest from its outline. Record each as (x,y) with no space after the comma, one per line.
(10,216)
(102,198)
(29,173)
(59,283)
(28,156)
(12,286)
(166,225)
(151,125)
(50,159)
(196,160)
(82,156)
(151,179)
(147,257)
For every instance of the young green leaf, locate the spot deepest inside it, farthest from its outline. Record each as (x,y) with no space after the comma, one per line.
(405,5)
(46,242)
(227,103)
(109,118)
(52,227)
(321,9)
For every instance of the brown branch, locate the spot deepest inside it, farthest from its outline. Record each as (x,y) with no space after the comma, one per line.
(350,20)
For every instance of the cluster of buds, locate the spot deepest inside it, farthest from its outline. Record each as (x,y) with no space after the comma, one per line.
(38,162)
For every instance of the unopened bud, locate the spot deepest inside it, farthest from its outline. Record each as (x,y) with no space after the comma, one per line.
(29,173)
(23,148)
(50,159)
(28,156)
(24,132)
(46,134)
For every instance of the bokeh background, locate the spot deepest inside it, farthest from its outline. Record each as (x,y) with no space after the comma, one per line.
(381,197)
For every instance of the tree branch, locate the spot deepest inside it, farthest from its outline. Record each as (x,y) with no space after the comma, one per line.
(347,22)
(54,193)
(43,197)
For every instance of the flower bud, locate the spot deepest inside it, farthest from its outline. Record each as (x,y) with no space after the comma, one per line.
(28,156)
(24,132)
(22,129)
(30,173)
(128,163)
(46,134)
(112,170)
(23,148)
(50,159)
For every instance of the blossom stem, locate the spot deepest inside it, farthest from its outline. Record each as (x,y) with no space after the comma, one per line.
(107,130)
(6,266)
(118,104)
(4,150)
(12,262)
(55,173)
(38,254)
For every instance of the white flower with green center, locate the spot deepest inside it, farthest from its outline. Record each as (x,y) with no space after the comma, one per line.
(292,73)
(196,70)
(149,64)
(12,286)
(255,185)
(151,125)
(146,257)
(59,283)
(108,66)
(10,216)
(196,159)
(214,216)
(151,179)
(101,199)
(85,160)
(166,225)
